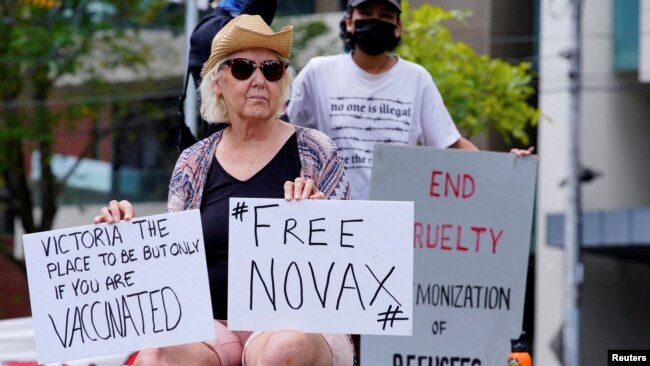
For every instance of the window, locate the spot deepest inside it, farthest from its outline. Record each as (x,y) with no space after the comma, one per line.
(626,35)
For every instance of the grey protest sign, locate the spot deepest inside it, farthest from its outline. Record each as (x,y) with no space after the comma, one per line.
(473,217)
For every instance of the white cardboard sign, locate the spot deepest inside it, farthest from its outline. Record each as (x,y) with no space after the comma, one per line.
(321,266)
(103,289)
(472,235)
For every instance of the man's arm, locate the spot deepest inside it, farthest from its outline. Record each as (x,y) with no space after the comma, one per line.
(463,144)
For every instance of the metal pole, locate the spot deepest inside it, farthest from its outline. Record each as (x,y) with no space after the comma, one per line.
(191,19)
(572,227)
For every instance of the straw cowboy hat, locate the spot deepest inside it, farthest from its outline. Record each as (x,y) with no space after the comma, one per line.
(248,31)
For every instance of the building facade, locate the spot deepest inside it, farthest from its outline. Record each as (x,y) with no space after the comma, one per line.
(614,127)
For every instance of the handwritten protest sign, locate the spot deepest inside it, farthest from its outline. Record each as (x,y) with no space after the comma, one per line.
(473,217)
(321,266)
(104,289)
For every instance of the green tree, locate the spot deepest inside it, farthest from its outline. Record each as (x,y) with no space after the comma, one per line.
(42,41)
(479,92)
(305,32)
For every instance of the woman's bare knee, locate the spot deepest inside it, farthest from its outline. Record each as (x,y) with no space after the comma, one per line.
(187,354)
(290,347)
(149,356)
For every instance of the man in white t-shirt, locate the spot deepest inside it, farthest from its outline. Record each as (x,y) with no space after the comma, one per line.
(371,96)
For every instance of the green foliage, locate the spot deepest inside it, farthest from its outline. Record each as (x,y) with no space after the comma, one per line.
(303,33)
(40,45)
(479,92)
(307,31)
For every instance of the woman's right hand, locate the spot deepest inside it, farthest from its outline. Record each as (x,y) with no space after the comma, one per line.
(114,212)
(302,189)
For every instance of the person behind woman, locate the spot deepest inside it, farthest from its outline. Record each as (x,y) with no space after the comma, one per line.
(246,81)
(372,96)
(200,47)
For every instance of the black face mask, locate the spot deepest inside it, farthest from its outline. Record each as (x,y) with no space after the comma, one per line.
(374,36)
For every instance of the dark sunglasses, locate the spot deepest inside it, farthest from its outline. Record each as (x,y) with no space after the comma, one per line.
(243,68)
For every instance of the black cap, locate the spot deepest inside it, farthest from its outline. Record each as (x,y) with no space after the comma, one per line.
(355,3)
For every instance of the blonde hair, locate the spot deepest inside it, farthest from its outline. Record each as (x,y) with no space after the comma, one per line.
(213,108)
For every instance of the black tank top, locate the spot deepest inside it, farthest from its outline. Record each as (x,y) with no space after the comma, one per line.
(219,187)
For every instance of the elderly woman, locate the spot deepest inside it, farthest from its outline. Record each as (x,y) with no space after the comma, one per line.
(246,82)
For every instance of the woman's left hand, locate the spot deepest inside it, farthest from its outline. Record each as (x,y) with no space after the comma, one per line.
(522,152)
(302,188)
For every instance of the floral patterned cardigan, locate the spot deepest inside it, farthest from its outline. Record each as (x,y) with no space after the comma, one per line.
(318,158)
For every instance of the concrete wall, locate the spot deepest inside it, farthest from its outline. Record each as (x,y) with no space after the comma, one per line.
(325,6)
(644,47)
(476,30)
(511,29)
(615,307)
(614,130)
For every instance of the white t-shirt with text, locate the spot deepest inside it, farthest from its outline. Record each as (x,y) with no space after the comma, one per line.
(357,110)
